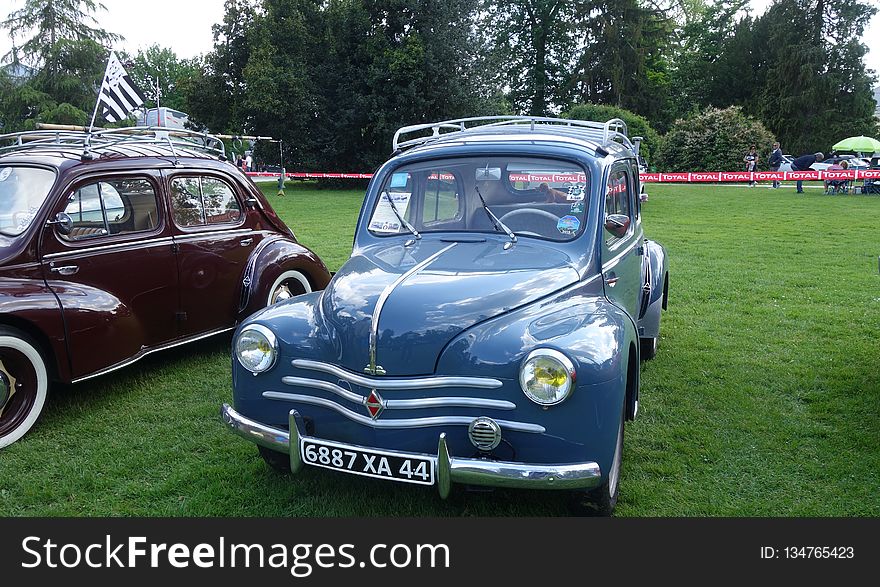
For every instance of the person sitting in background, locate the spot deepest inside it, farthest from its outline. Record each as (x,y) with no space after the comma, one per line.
(834,186)
(803,163)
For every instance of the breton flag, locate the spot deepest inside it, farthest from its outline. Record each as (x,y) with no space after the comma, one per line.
(119,96)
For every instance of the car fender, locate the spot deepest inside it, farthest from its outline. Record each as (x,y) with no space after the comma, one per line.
(38,314)
(275,259)
(655,282)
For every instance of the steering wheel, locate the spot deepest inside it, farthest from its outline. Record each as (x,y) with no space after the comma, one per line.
(540,226)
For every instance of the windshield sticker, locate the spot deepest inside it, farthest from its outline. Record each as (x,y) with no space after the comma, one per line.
(398,180)
(5,173)
(568,224)
(577,207)
(576,192)
(384,219)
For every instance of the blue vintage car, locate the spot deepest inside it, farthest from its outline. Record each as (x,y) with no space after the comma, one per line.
(488,327)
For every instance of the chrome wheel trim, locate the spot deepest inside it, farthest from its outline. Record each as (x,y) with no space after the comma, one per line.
(284,283)
(41,385)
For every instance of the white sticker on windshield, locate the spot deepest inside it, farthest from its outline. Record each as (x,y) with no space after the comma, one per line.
(576,192)
(5,172)
(384,219)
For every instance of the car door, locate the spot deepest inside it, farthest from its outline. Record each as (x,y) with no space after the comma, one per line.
(621,252)
(114,270)
(214,240)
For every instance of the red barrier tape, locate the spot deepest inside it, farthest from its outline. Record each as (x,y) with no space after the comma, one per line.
(690,177)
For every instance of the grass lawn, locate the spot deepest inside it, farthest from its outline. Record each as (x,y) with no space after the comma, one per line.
(764,398)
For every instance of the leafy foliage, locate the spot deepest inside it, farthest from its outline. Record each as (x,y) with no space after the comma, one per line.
(713,140)
(636,125)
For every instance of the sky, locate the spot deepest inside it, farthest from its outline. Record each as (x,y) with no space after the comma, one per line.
(185,25)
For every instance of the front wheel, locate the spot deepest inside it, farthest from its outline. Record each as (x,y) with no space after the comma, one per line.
(24,384)
(289,284)
(602,500)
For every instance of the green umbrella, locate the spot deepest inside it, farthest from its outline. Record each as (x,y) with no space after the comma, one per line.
(858,145)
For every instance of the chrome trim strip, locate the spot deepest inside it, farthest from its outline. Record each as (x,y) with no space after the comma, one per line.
(188,236)
(460,470)
(400,404)
(398,423)
(165,240)
(377,383)
(383,297)
(144,352)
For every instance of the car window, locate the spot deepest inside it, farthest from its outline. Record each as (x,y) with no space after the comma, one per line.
(617,196)
(532,197)
(200,201)
(111,207)
(22,192)
(442,197)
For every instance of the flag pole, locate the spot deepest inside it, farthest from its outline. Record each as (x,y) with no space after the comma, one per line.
(88,140)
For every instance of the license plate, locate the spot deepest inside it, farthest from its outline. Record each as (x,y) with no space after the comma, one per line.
(368,462)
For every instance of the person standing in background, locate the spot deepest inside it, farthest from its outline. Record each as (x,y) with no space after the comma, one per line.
(751,161)
(775,161)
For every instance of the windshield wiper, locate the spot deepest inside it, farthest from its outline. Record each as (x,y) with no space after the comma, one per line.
(408,226)
(496,223)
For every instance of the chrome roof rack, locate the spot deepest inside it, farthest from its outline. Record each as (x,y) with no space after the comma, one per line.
(129,141)
(600,132)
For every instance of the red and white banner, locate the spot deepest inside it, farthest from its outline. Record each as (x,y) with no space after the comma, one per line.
(741,176)
(677,177)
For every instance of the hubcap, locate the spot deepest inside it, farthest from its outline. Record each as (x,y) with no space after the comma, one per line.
(281,294)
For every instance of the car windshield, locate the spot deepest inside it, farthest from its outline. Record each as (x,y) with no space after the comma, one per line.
(22,191)
(532,197)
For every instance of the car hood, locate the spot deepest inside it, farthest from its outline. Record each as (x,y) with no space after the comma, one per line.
(423,296)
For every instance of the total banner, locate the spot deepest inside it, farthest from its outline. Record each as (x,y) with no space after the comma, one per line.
(675,177)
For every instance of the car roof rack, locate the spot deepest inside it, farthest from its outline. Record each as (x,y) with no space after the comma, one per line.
(602,132)
(129,141)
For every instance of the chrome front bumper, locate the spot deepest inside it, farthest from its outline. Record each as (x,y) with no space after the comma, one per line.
(449,469)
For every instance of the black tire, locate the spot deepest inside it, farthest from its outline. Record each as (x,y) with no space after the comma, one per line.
(24,384)
(277,460)
(601,501)
(648,348)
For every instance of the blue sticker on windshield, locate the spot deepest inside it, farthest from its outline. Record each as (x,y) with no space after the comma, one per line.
(577,207)
(568,224)
(398,180)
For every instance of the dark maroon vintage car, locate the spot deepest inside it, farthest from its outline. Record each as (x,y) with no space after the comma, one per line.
(134,244)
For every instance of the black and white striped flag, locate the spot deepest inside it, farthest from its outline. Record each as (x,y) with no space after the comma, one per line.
(119,96)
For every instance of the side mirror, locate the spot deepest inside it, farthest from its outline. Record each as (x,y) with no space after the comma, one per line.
(617,224)
(63,222)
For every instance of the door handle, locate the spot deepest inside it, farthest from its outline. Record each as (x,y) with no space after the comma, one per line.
(246,241)
(65,270)
(611,280)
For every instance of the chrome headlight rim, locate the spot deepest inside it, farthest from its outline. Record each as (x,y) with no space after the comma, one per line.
(563,360)
(270,338)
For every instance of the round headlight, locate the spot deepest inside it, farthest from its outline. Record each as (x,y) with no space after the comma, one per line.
(547,377)
(256,348)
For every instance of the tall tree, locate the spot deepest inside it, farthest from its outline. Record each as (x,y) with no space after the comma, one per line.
(532,45)
(159,64)
(818,89)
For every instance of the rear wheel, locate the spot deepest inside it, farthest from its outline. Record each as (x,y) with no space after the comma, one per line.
(24,384)
(648,347)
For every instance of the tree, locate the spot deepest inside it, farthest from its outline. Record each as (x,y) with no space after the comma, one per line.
(713,140)
(622,62)
(163,64)
(52,21)
(818,90)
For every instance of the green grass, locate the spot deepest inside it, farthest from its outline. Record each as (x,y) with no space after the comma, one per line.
(764,398)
